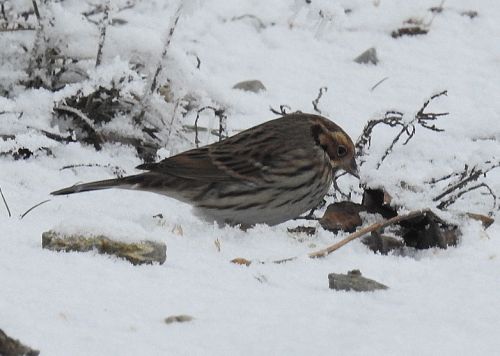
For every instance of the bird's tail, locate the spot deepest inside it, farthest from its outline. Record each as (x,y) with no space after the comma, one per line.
(125,183)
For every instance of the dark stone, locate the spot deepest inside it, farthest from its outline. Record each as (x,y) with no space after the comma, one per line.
(428,231)
(178,319)
(409,31)
(378,201)
(353,280)
(12,347)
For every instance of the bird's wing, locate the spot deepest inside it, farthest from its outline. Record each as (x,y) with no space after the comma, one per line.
(241,157)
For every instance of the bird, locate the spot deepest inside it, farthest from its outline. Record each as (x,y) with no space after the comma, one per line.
(267,174)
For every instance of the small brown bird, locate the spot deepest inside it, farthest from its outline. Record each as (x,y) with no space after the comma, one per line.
(267,174)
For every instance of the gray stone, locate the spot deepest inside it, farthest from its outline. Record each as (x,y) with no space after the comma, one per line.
(368,56)
(144,252)
(353,280)
(178,319)
(253,86)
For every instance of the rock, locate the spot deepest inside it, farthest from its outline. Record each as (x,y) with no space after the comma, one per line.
(353,280)
(241,261)
(382,243)
(144,252)
(409,31)
(253,86)
(12,347)
(367,57)
(427,231)
(308,230)
(378,201)
(342,216)
(178,319)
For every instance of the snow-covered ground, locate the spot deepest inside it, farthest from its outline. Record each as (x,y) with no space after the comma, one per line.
(440,302)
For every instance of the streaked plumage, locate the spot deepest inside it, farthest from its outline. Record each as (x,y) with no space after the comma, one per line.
(267,174)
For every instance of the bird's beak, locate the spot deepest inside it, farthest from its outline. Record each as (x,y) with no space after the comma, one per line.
(352,168)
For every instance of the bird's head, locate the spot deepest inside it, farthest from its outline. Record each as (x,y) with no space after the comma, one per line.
(336,143)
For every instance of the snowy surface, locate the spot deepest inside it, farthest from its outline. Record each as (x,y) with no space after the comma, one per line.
(440,302)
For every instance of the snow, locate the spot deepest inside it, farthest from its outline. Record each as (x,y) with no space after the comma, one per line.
(444,302)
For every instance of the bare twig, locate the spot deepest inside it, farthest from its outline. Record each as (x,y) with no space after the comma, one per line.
(282,111)
(408,129)
(337,189)
(220,113)
(378,83)
(459,187)
(33,207)
(453,198)
(117,171)
(377,227)
(166,46)
(362,232)
(315,102)
(88,125)
(154,80)
(259,22)
(5,203)
(104,25)
(391,118)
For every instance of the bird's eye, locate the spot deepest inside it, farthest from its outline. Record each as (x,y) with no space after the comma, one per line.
(341,151)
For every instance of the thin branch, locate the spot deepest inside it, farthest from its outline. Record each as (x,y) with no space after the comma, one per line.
(315,102)
(409,129)
(166,46)
(378,83)
(282,111)
(33,207)
(102,36)
(94,136)
(364,231)
(452,199)
(222,122)
(5,203)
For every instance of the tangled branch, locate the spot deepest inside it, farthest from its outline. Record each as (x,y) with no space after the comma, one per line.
(462,185)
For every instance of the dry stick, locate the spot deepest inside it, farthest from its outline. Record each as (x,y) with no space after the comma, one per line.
(360,233)
(102,37)
(33,207)
(5,202)
(374,227)
(154,80)
(165,48)
(378,83)
(36,42)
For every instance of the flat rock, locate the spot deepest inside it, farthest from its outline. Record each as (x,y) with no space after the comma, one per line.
(144,252)
(253,86)
(367,57)
(13,347)
(353,280)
